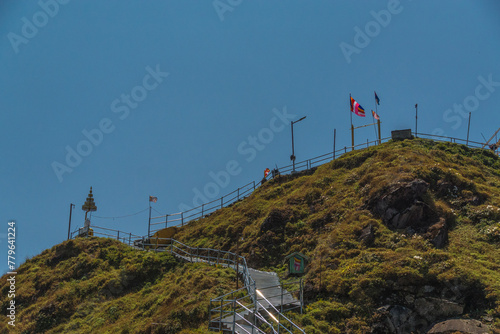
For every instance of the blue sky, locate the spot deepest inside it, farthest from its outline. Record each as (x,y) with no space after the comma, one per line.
(170,91)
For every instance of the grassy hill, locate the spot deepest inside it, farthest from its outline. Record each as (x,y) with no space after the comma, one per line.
(323,213)
(99,285)
(404,230)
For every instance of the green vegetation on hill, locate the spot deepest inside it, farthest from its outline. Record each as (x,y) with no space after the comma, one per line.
(407,229)
(99,285)
(322,214)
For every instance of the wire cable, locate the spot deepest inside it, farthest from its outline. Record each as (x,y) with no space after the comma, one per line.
(158,211)
(118,217)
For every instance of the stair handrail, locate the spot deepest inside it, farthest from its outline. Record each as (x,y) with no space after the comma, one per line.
(280,314)
(259,316)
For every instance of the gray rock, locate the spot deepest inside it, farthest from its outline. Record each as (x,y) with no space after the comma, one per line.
(469,326)
(398,319)
(438,234)
(367,235)
(435,308)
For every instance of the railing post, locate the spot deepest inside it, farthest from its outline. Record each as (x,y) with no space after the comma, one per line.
(234,316)
(182,218)
(143,243)
(220,322)
(118,236)
(221,202)
(281,305)
(238,194)
(345,149)
(166,220)
(254,304)
(129,238)
(202,209)
(301,295)
(253,185)
(209,314)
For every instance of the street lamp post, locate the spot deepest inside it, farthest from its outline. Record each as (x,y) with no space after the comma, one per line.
(292,157)
(71,206)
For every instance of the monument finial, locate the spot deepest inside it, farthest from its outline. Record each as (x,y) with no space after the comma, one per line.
(89,204)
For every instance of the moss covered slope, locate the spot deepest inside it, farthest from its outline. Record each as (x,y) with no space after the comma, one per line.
(99,285)
(409,227)
(324,213)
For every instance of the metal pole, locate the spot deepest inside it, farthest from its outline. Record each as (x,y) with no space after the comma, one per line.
(234,316)
(301,295)
(468,129)
(379,136)
(237,271)
(416,118)
(293,151)
(220,322)
(376,111)
(149,221)
(352,137)
(70,213)
(334,139)
(210,315)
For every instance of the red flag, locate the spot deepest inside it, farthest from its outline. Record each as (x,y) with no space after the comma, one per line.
(377,117)
(266,172)
(153,199)
(357,108)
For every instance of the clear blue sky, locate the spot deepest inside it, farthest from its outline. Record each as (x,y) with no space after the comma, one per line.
(74,67)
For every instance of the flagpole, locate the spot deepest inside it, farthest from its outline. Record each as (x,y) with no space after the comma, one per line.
(352,127)
(350,107)
(374,126)
(379,135)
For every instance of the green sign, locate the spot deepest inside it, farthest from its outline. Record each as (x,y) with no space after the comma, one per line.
(297,264)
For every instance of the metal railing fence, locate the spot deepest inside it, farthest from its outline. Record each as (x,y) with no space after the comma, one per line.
(234,313)
(181,218)
(98,231)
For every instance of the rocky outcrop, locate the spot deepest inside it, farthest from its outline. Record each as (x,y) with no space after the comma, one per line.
(367,235)
(416,317)
(469,326)
(438,233)
(276,220)
(402,206)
